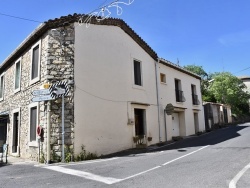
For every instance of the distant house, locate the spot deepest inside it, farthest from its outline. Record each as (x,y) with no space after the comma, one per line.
(118,91)
(216,114)
(246,81)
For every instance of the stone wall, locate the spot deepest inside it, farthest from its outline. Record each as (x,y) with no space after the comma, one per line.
(21,100)
(60,67)
(54,66)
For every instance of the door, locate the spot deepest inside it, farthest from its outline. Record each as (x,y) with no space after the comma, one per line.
(3,133)
(196,122)
(15,133)
(139,122)
(175,124)
(225,115)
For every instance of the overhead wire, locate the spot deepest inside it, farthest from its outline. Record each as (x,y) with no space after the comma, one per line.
(104,99)
(21,18)
(242,70)
(102,5)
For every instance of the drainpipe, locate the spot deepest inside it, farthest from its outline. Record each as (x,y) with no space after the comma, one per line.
(165,124)
(48,131)
(157,93)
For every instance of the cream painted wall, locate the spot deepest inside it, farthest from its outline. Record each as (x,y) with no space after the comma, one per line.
(104,89)
(187,109)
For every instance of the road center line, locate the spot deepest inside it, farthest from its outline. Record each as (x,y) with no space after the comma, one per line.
(87,175)
(163,164)
(234,181)
(110,180)
(184,155)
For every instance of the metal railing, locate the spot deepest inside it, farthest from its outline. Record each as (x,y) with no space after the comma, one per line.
(195,99)
(179,96)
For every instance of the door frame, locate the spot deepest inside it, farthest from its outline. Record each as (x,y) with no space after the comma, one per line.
(17,110)
(173,125)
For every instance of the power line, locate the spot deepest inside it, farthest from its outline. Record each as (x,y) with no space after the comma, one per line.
(242,70)
(20,18)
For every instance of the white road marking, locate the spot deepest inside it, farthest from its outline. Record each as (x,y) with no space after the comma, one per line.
(89,162)
(234,181)
(184,155)
(77,163)
(110,180)
(87,175)
(140,173)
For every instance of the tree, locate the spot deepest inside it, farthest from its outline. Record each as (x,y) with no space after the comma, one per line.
(206,94)
(228,89)
(197,70)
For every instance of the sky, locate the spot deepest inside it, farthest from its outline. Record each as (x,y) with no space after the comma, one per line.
(214,34)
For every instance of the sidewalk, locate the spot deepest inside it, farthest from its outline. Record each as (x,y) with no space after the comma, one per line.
(15,160)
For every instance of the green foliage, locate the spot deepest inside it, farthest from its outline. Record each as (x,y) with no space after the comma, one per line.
(204,78)
(228,89)
(222,87)
(42,158)
(55,157)
(197,70)
(69,153)
(84,155)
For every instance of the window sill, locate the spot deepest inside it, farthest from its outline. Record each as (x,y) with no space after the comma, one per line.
(138,87)
(178,102)
(15,155)
(164,83)
(17,90)
(33,144)
(35,80)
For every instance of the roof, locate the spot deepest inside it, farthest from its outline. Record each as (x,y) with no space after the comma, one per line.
(58,22)
(217,104)
(177,67)
(244,78)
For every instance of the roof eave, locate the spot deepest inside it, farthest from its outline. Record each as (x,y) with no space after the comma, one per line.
(177,67)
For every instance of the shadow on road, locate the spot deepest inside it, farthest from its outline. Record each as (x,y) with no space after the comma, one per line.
(211,138)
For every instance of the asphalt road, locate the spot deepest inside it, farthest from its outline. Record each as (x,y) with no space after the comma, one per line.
(218,159)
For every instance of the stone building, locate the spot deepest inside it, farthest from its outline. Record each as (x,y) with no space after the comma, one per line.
(118,91)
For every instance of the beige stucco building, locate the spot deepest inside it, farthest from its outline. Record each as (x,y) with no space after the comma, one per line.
(118,91)
(246,81)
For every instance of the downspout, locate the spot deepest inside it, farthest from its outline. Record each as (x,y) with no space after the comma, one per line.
(157,93)
(165,124)
(48,131)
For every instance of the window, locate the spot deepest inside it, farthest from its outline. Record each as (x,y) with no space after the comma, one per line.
(1,86)
(17,76)
(35,63)
(137,73)
(163,78)
(178,92)
(33,111)
(194,95)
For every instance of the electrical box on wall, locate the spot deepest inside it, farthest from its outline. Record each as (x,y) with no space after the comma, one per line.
(131,121)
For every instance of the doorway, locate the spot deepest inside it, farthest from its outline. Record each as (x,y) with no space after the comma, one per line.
(175,124)
(196,122)
(15,132)
(139,122)
(3,133)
